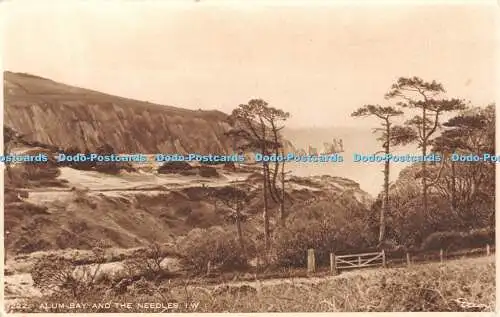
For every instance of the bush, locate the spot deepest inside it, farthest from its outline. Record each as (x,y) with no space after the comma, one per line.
(481,237)
(327,229)
(147,263)
(216,245)
(57,275)
(448,240)
(410,225)
(174,167)
(291,245)
(84,166)
(208,171)
(451,240)
(112,168)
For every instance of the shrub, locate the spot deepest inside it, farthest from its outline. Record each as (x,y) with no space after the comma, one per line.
(216,245)
(480,237)
(291,245)
(147,263)
(84,166)
(174,167)
(448,240)
(452,240)
(56,274)
(329,228)
(208,171)
(112,168)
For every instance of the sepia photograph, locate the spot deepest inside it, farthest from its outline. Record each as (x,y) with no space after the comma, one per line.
(249,157)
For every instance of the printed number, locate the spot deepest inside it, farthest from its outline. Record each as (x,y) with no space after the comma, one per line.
(19,306)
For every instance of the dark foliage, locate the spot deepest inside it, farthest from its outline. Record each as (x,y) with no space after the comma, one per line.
(174,167)
(338,227)
(452,240)
(217,246)
(208,171)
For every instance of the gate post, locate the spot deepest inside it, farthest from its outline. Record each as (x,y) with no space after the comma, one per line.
(311,261)
(383,259)
(333,264)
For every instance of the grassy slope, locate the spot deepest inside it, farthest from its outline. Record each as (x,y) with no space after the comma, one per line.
(425,287)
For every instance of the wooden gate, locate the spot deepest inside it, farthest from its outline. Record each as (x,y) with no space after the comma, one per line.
(350,261)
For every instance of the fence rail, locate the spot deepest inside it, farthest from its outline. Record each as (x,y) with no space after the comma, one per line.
(373,259)
(360,260)
(349,261)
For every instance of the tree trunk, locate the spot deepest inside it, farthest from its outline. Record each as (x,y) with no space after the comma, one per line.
(282,200)
(273,190)
(385,204)
(265,171)
(453,186)
(266,213)
(424,179)
(271,184)
(238,227)
(424,163)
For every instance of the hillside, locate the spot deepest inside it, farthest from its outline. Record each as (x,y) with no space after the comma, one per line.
(131,208)
(134,209)
(63,116)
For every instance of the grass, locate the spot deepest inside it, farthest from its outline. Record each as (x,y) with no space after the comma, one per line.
(422,287)
(431,287)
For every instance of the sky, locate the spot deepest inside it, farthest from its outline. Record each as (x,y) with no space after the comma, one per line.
(318,62)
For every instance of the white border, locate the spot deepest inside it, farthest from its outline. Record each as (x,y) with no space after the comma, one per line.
(245,4)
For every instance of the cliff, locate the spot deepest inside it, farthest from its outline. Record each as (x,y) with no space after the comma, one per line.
(60,115)
(140,206)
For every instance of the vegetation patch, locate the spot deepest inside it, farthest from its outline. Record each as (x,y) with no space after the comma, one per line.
(461,285)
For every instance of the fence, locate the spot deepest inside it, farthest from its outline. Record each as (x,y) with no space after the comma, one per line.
(440,256)
(362,260)
(349,261)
